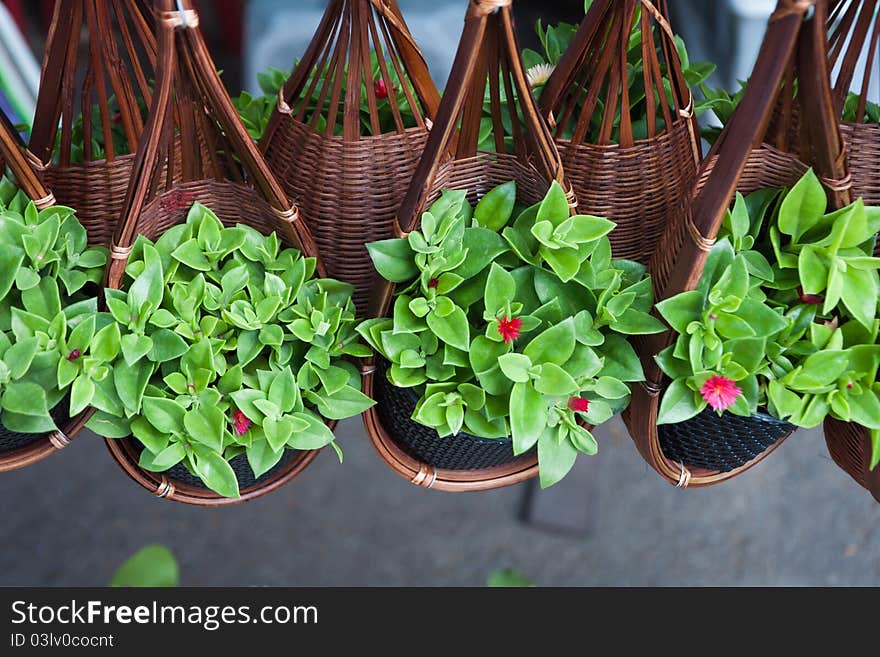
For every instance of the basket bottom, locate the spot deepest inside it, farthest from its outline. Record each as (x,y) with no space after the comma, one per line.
(395,407)
(721,444)
(12,440)
(240,466)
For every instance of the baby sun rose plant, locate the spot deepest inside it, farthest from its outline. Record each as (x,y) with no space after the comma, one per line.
(510,323)
(223,344)
(47,314)
(784,316)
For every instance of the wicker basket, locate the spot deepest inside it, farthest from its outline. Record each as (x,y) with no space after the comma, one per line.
(738,162)
(349,186)
(18,450)
(853,27)
(488,49)
(638,183)
(119,64)
(191,104)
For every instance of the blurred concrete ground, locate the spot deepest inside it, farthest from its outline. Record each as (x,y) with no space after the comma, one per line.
(794,520)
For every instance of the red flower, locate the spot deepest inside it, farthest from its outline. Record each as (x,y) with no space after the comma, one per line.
(810,299)
(509,328)
(381,89)
(74,355)
(579,404)
(240,423)
(720,392)
(434,282)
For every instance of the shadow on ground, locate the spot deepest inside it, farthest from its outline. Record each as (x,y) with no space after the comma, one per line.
(794,520)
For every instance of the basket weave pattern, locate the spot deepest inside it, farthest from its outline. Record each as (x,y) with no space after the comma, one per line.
(347,192)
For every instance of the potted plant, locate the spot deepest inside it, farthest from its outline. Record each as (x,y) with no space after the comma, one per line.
(225,354)
(509,325)
(784,319)
(47,313)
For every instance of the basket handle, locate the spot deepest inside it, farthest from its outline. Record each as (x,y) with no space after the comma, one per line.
(200,95)
(849,25)
(596,60)
(105,63)
(488,47)
(13,153)
(352,24)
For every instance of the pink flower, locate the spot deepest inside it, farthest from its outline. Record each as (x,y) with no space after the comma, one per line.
(509,328)
(720,392)
(579,404)
(433,283)
(74,355)
(381,89)
(240,423)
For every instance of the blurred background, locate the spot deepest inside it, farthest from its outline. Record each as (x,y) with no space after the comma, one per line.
(793,520)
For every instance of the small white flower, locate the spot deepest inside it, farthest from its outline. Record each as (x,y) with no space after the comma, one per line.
(539,74)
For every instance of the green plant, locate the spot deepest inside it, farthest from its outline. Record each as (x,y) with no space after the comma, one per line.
(224,344)
(255,111)
(784,316)
(555,40)
(510,322)
(46,310)
(508,578)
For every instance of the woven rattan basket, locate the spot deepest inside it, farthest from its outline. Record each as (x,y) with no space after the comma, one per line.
(18,450)
(488,50)
(638,183)
(113,72)
(853,28)
(794,45)
(349,185)
(236,184)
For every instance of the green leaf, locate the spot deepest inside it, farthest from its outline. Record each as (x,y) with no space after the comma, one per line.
(554,208)
(528,417)
(130,384)
(507,578)
(803,206)
(555,345)
(106,343)
(318,434)
(18,357)
(148,286)
(452,329)
(483,246)
(164,414)
(135,347)
(515,367)
(679,403)
(394,260)
(206,425)
(500,290)
(25,398)
(81,394)
(169,457)
(262,457)
(151,566)
(610,388)
(555,381)
(496,207)
(555,458)
(215,472)
(345,403)
(166,346)
(681,310)
(192,255)
(813,270)
(621,361)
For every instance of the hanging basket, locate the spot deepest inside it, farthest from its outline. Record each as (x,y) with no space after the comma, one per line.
(488,50)
(191,105)
(638,181)
(854,27)
(87,162)
(347,133)
(707,449)
(18,450)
